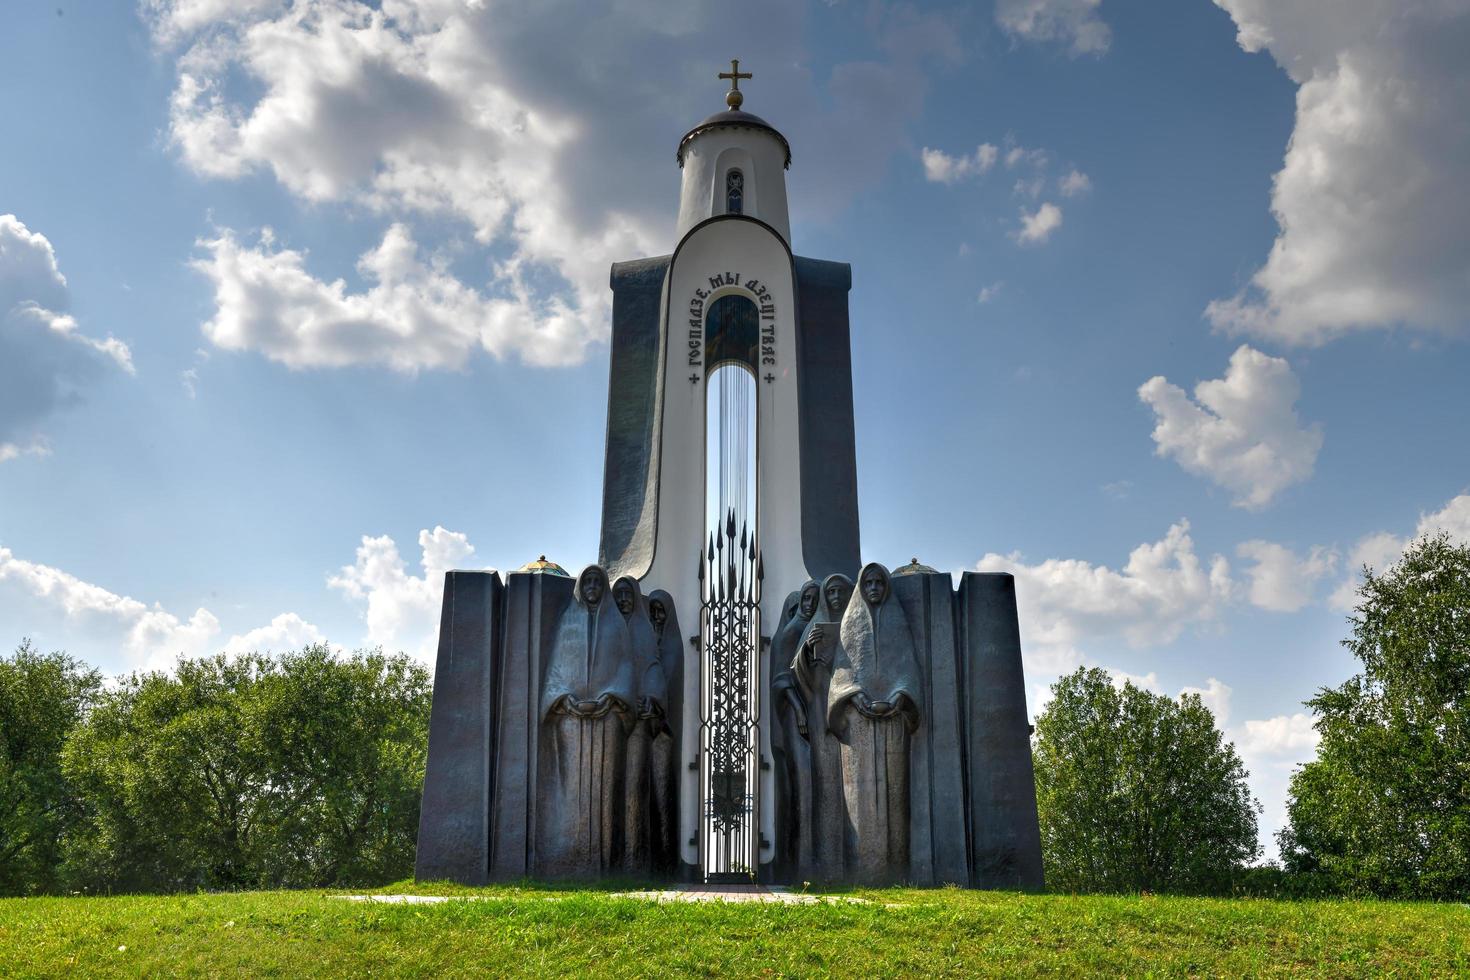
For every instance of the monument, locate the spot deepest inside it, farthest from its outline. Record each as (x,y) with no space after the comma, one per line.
(730,693)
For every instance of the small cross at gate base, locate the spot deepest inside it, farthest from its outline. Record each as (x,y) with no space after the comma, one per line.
(694,379)
(770,377)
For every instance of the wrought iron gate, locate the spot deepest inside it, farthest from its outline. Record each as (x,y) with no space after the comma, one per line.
(730,575)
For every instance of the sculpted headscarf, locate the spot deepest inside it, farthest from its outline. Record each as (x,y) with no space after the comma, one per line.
(793,625)
(670,655)
(876,654)
(827,615)
(648,673)
(592,655)
(788,636)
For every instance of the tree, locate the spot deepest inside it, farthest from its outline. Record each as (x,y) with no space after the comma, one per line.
(349,739)
(1385,807)
(42,696)
(1138,792)
(251,771)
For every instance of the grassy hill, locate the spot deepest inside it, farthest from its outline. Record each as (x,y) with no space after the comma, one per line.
(540,932)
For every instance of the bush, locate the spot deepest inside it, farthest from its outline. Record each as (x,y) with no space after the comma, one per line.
(1138,792)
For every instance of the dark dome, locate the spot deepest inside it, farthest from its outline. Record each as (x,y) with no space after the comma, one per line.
(543,567)
(914,568)
(735,118)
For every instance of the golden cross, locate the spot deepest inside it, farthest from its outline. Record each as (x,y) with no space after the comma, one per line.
(734,97)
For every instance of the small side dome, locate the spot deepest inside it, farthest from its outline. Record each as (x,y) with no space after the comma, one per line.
(914,568)
(543,567)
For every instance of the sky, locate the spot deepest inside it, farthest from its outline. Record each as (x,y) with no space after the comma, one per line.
(1160,307)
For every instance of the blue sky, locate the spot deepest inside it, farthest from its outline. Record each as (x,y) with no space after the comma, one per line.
(1160,307)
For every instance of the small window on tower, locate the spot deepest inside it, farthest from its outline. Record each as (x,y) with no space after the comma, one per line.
(734,192)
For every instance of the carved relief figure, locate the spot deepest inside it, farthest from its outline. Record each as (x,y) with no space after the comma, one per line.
(789,734)
(588,704)
(813,669)
(665,720)
(650,694)
(873,707)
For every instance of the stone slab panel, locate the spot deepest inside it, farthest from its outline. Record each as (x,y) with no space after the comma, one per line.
(1005,839)
(533,603)
(937,785)
(454,819)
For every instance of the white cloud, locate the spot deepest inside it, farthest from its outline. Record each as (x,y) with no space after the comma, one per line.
(1037,227)
(1075,183)
(287,631)
(1241,432)
(151,637)
(1017,155)
(1374,221)
(46,362)
(521,122)
(1074,23)
(988,293)
(1381,549)
(1279,580)
(1029,187)
(413,316)
(9,450)
(402,610)
(1284,735)
(1067,604)
(1144,682)
(1272,749)
(1215,695)
(941,168)
(1452,519)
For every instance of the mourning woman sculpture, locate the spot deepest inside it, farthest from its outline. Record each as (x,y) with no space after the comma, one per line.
(812,666)
(873,706)
(665,723)
(650,696)
(588,700)
(789,734)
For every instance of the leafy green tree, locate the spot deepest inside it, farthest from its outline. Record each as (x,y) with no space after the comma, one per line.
(173,788)
(1385,807)
(347,741)
(42,697)
(1137,791)
(252,771)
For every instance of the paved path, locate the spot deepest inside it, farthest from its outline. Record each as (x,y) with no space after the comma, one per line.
(687,893)
(736,893)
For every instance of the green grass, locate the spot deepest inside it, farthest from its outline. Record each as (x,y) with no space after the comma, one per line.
(536,931)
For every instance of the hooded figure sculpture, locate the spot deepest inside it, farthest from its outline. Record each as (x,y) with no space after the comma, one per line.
(789,735)
(812,666)
(587,710)
(873,707)
(650,694)
(665,721)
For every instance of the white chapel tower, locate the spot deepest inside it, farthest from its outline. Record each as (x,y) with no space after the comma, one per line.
(730,416)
